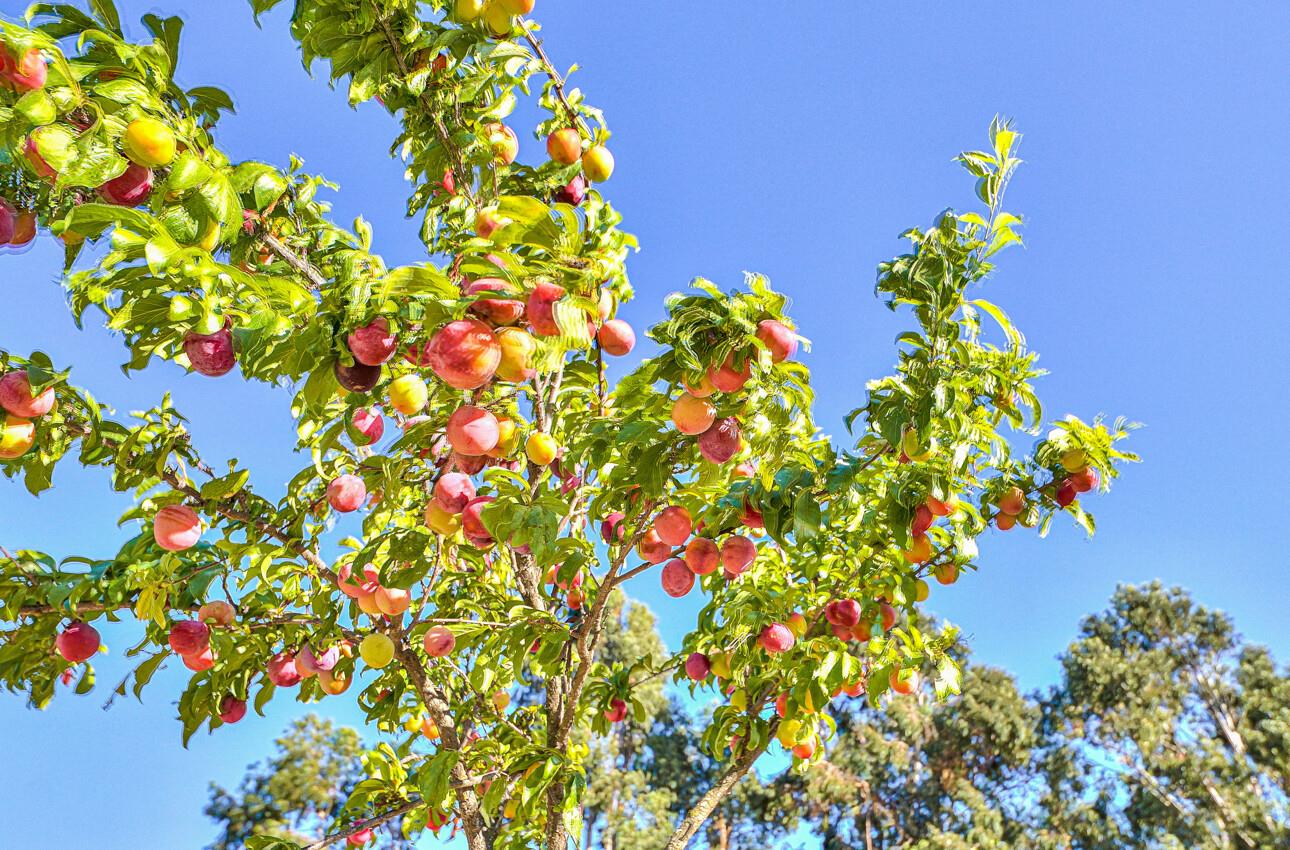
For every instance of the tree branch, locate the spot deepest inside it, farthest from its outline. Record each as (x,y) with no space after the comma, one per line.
(472,818)
(557,82)
(303,267)
(707,804)
(369,823)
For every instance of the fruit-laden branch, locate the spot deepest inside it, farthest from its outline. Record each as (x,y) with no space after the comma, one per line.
(464,181)
(232,507)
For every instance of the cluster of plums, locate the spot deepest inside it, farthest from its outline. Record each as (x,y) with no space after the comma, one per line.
(694,414)
(1074,477)
(496,341)
(21,408)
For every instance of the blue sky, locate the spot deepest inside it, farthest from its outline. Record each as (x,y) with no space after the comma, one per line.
(797,145)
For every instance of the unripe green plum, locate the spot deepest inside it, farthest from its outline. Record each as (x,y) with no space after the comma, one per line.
(376,650)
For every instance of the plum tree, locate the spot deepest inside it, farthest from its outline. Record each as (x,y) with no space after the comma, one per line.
(512,443)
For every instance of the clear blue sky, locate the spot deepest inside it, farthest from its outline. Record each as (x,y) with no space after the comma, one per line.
(798,145)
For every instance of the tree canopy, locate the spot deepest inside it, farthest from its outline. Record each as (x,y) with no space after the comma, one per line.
(470,556)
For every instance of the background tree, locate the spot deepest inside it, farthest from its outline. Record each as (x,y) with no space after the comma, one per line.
(298,792)
(473,554)
(1168,731)
(920,773)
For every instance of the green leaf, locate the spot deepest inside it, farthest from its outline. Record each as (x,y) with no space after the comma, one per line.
(124,90)
(166,31)
(106,12)
(222,488)
(806,517)
(269,842)
(144,672)
(188,172)
(268,187)
(434,778)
